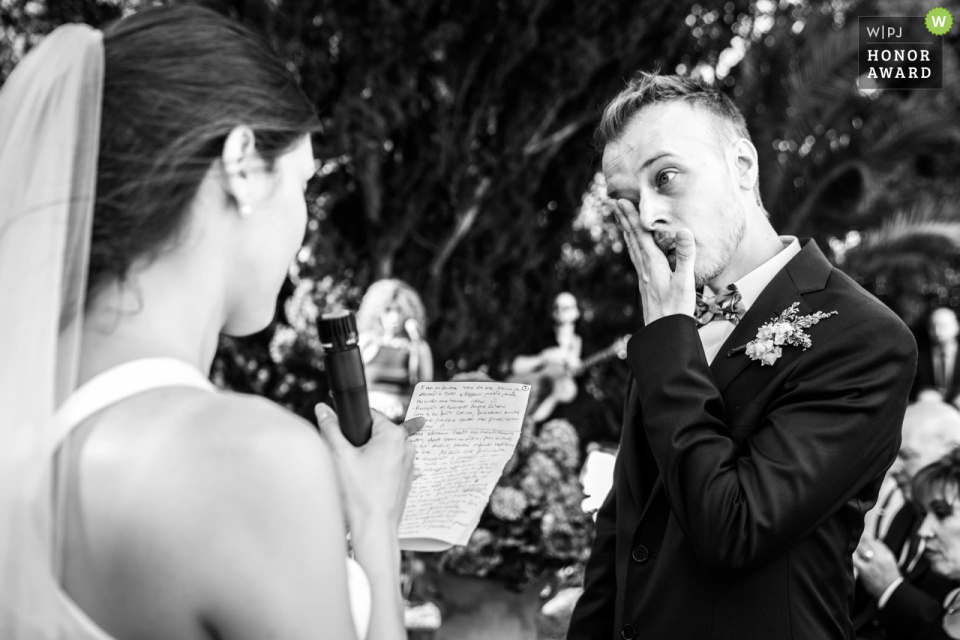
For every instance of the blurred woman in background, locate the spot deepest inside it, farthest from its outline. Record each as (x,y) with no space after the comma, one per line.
(936,488)
(391,322)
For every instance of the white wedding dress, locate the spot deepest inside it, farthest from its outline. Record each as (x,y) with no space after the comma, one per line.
(129,379)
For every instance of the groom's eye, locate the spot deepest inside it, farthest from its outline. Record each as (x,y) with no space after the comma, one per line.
(665,177)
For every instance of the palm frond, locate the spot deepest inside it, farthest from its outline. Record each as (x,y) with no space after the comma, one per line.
(821,91)
(826,74)
(799,221)
(912,134)
(904,137)
(932,209)
(906,246)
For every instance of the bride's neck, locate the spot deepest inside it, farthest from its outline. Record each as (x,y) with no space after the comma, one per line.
(152,316)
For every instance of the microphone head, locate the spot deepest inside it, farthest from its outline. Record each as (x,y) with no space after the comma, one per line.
(337,329)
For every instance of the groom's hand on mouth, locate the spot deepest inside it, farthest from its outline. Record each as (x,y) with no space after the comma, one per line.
(663,291)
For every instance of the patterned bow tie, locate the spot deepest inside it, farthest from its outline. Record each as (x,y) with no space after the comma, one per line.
(726,304)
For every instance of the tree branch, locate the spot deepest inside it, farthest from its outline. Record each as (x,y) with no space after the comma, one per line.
(537,144)
(465,219)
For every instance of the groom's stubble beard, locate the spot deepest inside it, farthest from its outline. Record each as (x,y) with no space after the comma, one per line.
(713,261)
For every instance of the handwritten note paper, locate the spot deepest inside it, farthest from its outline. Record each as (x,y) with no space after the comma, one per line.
(472,430)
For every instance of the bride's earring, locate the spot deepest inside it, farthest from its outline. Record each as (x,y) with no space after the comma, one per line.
(246,210)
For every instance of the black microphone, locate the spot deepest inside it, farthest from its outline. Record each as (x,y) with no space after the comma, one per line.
(348,385)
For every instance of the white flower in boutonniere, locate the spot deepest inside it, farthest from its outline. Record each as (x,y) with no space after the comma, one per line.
(763,350)
(784,330)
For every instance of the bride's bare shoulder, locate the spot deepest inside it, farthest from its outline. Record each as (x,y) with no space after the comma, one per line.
(226,478)
(188,449)
(240,443)
(233,419)
(230,433)
(188,422)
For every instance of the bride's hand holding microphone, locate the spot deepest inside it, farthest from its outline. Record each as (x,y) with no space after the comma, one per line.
(373,458)
(375,478)
(374,481)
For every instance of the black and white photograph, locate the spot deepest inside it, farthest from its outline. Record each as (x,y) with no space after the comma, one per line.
(479,320)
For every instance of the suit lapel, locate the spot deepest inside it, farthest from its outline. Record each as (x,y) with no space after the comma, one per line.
(806,272)
(901,528)
(913,561)
(955,382)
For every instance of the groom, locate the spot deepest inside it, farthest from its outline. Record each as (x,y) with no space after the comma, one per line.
(745,465)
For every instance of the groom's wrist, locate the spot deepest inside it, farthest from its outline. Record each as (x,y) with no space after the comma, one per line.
(669,316)
(664,354)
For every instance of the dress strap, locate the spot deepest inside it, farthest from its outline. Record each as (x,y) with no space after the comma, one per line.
(98,393)
(122,382)
(103,390)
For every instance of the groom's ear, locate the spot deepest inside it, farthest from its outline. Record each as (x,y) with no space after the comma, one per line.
(239,161)
(747,167)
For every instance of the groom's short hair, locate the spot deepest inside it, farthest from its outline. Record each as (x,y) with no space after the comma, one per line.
(647,89)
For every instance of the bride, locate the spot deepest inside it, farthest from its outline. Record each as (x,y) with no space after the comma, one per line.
(152,182)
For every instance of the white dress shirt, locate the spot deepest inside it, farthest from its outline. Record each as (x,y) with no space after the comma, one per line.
(750,286)
(944,361)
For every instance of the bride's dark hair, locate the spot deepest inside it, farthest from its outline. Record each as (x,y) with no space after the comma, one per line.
(177,80)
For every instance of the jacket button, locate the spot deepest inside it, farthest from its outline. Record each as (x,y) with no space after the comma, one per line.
(640,554)
(628,632)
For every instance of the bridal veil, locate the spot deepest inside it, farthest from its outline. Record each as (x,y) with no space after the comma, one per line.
(49,136)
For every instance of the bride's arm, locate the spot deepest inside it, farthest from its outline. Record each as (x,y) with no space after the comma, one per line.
(274,564)
(375,480)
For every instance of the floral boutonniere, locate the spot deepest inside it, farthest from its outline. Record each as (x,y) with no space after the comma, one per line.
(785,329)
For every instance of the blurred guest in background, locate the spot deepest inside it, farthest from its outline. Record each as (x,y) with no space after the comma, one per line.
(937,366)
(391,321)
(552,370)
(556,372)
(898,594)
(936,488)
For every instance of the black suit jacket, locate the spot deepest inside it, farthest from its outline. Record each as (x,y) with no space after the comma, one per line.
(916,603)
(936,631)
(740,489)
